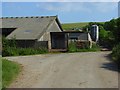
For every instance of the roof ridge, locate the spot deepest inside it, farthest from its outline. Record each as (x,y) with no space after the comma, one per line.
(28,17)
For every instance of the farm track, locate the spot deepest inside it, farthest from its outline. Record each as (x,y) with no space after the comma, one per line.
(66,70)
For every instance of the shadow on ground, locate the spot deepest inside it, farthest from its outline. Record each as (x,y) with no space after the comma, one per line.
(110,65)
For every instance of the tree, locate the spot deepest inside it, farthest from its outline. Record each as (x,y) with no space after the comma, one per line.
(118,30)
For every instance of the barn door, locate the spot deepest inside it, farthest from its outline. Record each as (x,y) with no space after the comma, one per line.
(58,41)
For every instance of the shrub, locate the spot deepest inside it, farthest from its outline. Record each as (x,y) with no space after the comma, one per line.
(10,49)
(13,51)
(73,48)
(95,47)
(116,53)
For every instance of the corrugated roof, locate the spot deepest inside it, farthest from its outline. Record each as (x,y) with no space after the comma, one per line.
(28,27)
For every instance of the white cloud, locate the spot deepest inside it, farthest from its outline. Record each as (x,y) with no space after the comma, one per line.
(102,7)
(64,7)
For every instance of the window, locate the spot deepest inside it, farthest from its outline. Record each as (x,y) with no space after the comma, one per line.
(28,31)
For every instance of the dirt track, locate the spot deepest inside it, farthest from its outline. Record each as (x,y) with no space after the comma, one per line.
(73,70)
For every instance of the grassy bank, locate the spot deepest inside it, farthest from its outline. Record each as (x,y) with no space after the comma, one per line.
(10,70)
(0,72)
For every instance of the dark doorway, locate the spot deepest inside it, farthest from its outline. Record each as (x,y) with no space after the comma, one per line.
(58,40)
(7,31)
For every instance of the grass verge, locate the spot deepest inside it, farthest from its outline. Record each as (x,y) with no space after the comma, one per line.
(0,72)
(10,70)
(72,48)
(13,51)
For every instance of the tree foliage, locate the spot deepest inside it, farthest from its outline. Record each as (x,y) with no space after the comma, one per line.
(114,27)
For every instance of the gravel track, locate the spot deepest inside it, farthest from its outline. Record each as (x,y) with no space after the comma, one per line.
(66,70)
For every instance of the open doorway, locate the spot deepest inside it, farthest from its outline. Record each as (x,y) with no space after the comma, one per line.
(7,31)
(58,40)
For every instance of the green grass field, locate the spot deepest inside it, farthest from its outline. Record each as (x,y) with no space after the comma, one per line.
(10,70)
(69,26)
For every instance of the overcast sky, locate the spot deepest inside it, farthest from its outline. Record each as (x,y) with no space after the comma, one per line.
(68,12)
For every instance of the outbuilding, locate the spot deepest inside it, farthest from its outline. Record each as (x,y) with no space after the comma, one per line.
(31,31)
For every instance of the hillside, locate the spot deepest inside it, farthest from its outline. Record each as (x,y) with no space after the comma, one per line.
(69,26)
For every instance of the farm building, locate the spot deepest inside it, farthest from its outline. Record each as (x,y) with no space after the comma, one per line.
(31,31)
(44,31)
(81,38)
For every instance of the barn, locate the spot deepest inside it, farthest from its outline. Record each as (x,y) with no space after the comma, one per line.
(61,40)
(31,31)
(80,38)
